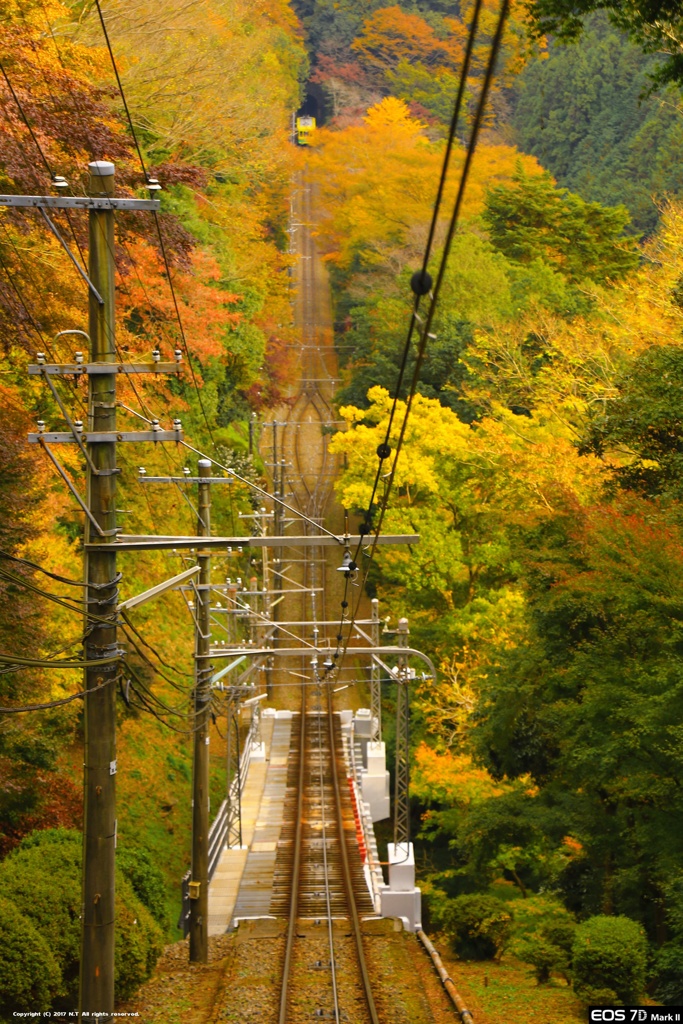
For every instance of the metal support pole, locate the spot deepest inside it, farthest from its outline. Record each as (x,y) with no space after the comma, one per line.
(265,567)
(199,884)
(253,611)
(231,594)
(402,774)
(375,678)
(96,982)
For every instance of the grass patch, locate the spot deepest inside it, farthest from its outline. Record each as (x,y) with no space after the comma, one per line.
(508,990)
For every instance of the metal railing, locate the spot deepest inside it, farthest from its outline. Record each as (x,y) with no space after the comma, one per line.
(219,828)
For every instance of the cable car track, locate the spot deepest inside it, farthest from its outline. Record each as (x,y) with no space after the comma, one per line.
(324,971)
(318,881)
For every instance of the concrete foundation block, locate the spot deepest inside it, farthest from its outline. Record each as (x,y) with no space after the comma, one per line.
(405,905)
(375,793)
(258,752)
(401,867)
(377,758)
(362,723)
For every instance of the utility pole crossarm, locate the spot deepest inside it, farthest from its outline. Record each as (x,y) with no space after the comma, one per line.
(104,203)
(79,369)
(130,542)
(104,436)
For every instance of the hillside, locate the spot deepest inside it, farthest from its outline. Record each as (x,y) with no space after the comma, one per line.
(535,425)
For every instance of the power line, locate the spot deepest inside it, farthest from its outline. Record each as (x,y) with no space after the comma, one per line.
(434,296)
(118,82)
(180,326)
(157,223)
(421,281)
(52,703)
(46,572)
(26,122)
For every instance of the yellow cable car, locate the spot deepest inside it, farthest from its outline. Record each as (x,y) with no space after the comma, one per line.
(305,126)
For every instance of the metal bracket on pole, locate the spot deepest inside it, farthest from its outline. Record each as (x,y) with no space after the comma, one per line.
(93,522)
(79,268)
(160,588)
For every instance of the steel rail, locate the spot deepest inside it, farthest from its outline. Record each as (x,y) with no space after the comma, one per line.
(296,871)
(328,904)
(346,872)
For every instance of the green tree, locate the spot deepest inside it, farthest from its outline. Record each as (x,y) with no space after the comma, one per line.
(587,700)
(655,27)
(582,113)
(641,427)
(531,219)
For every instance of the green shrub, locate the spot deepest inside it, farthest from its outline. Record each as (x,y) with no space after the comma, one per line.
(609,953)
(44,875)
(139,941)
(29,975)
(147,881)
(543,936)
(544,956)
(477,925)
(669,971)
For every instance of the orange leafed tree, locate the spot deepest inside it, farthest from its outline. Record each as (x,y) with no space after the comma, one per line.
(378,181)
(390,35)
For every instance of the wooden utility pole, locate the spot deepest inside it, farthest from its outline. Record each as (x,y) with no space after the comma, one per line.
(96,993)
(199,883)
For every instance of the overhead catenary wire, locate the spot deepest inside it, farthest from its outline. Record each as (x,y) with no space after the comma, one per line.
(423,276)
(118,82)
(26,121)
(261,490)
(434,297)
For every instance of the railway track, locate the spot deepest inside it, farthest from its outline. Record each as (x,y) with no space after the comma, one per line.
(319,881)
(319,886)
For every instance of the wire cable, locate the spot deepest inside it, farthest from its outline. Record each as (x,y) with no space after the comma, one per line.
(54,703)
(423,276)
(26,121)
(157,223)
(118,82)
(434,296)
